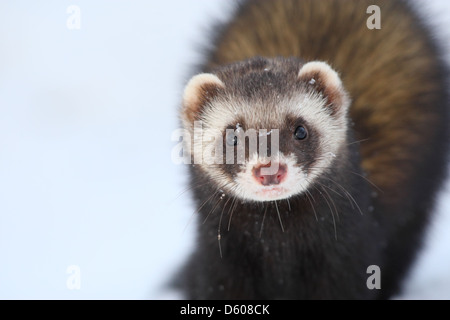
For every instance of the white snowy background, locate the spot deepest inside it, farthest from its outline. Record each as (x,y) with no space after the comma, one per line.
(86,177)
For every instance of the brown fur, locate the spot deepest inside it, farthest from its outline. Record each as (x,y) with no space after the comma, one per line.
(391,74)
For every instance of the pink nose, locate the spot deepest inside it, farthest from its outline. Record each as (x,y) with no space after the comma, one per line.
(270,179)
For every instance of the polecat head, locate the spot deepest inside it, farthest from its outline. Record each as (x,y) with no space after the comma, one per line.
(265,129)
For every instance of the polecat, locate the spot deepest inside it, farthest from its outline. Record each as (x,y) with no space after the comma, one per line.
(361,119)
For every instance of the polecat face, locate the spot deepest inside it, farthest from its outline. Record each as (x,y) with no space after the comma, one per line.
(265,129)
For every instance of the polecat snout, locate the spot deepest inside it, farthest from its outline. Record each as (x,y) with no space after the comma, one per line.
(306,180)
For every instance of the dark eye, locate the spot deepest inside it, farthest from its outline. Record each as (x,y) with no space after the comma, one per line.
(300,133)
(231,138)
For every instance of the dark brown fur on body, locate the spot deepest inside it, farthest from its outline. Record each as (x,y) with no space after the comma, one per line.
(305,253)
(397,84)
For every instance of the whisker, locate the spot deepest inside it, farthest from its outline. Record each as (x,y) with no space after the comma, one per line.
(264,218)
(214,208)
(195,186)
(233,204)
(346,192)
(373,184)
(222,195)
(358,141)
(308,195)
(188,189)
(219,237)
(331,189)
(355,173)
(331,211)
(332,201)
(279,216)
(198,210)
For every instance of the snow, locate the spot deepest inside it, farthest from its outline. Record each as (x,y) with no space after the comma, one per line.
(86,177)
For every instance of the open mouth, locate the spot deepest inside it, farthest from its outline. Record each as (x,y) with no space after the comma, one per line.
(272,193)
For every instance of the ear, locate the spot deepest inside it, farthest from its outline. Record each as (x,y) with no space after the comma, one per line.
(199,91)
(323,79)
